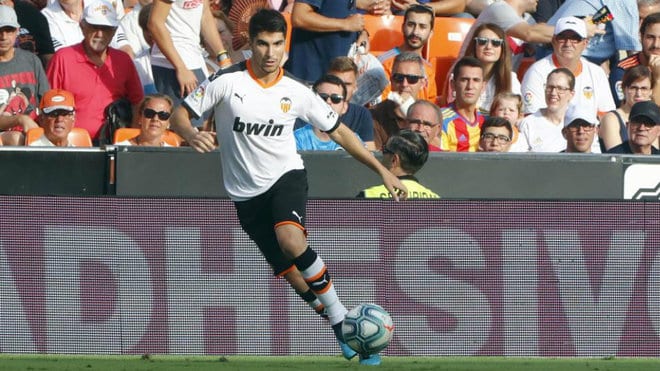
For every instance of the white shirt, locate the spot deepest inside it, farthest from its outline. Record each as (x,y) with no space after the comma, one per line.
(141,50)
(541,135)
(42,141)
(66,32)
(592,88)
(184,23)
(255,124)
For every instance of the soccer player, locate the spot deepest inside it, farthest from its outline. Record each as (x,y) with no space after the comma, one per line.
(255,104)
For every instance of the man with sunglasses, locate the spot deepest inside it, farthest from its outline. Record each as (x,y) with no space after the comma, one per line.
(407,81)
(57,118)
(579,129)
(461,119)
(417,28)
(643,130)
(404,154)
(592,87)
(255,105)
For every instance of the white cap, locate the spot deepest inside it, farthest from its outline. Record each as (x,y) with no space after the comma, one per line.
(580,112)
(8,17)
(574,24)
(101,13)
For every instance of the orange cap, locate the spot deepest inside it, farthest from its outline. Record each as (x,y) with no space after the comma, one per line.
(55,99)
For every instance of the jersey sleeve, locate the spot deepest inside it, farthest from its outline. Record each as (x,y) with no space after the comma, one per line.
(206,96)
(319,113)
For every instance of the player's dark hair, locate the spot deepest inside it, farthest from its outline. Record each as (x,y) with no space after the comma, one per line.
(266,20)
(497,122)
(411,147)
(330,79)
(466,62)
(649,21)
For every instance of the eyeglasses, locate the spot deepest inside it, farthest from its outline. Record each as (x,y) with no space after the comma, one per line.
(482,41)
(641,89)
(162,115)
(59,112)
(427,124)
(570,38)
(639,124)
(560,89)
(412,79)
(585,128)
(334,98)
(500,138)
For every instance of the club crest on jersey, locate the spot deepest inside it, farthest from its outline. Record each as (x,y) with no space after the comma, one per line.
(264,130)
(588,92)
(285,104)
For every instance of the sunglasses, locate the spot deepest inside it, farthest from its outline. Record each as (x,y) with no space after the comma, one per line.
(162,115)
(59,112)
(399,77)
(334,98)
(482,41)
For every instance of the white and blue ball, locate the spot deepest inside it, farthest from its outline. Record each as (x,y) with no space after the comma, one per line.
(367,328)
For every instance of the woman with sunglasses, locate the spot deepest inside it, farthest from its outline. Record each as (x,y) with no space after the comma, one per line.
(490,47)
(154,119)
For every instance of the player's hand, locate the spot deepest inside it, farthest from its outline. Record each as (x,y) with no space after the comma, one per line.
(187,81)
(202,141)
(393,184)
(354,22)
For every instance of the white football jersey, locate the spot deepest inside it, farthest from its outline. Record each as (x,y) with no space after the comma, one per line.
(255,123)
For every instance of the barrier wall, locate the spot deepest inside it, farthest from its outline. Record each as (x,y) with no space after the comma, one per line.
(117,275)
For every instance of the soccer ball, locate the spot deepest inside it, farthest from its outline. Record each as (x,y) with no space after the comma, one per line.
(367,328)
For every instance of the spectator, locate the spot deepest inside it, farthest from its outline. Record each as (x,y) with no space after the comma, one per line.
(496,134)
(407,80)
(637,85)
(34,34)
(508,15)
(309,138)
(509,106)
(22,82)
(649,56)
(647,7)
(404,154)
(619,34)
(490,46)
(57,118)
(425,118)
(643,130)
(153,119)
(140,47)
(417,28)
(322,30)
(541,131)
(579,130)
(176,58)
(461,124)
(357,118)
(591,84)
(95,73)
(64,18)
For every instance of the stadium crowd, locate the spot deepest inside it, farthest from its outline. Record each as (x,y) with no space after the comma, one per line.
(560,76)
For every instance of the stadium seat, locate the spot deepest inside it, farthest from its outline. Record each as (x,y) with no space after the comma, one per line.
(123,134)
(384,32)
(79,137)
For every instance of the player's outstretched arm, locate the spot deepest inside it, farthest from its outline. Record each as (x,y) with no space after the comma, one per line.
(347,139)
(201,141)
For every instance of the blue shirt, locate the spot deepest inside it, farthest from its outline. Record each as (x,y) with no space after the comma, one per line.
(306,140)
(311,52)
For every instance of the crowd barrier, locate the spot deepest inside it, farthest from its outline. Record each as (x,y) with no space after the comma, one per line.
(111,275)
(181,172)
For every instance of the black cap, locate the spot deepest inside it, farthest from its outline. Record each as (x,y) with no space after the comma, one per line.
(644,113)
